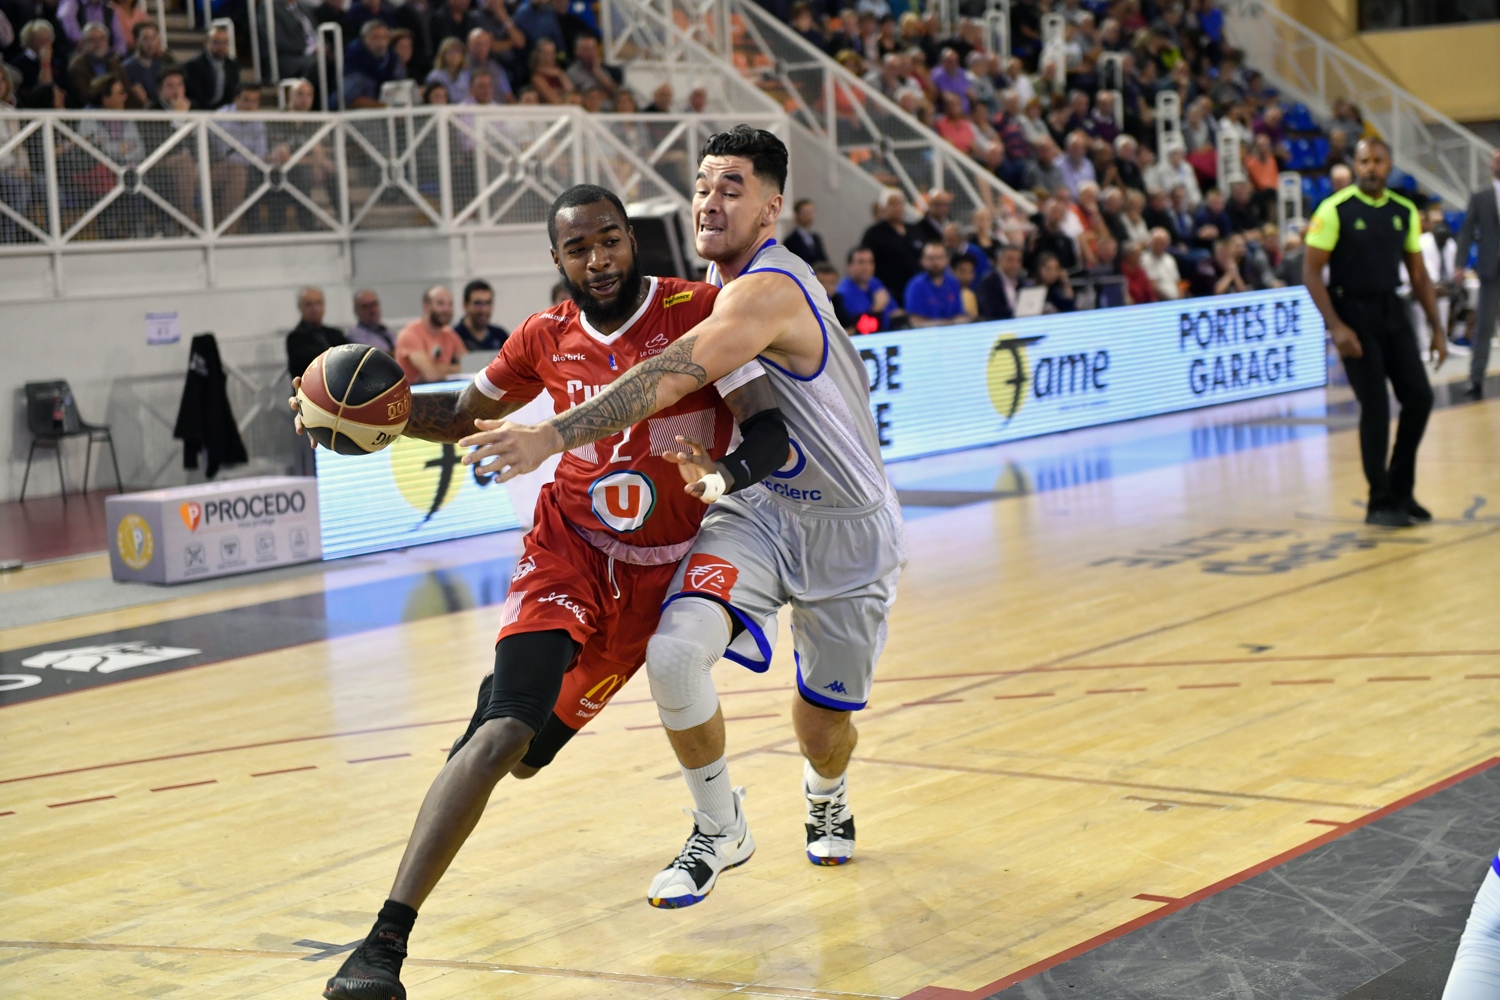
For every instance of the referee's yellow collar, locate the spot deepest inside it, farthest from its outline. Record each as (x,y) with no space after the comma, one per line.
(1385,196)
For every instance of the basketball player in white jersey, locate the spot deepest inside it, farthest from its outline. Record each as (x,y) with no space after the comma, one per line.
(1476,967)
(823,533)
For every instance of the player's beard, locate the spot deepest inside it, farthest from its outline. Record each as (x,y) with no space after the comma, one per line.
(626,301)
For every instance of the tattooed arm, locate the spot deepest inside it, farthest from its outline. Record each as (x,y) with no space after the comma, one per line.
(757,314)
(439,416)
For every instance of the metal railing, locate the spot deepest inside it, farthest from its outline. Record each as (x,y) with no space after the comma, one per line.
(1442,155)
(836,107)
(79,182)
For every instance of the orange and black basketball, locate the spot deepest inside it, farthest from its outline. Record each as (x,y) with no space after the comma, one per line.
(354,399)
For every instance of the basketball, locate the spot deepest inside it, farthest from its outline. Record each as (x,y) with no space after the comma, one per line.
(354,399)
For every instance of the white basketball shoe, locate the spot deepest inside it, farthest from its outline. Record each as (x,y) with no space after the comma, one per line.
(709,850)
(830,823)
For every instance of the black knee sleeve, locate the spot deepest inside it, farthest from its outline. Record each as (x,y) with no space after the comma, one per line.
(553,736)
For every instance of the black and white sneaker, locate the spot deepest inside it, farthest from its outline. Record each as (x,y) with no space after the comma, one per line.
(372,972)
(1416,511)
(708,851)
(830,822)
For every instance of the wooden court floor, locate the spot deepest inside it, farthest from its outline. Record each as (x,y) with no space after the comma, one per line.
(1094,701)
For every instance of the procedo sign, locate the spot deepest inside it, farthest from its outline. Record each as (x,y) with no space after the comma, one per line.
(195,532)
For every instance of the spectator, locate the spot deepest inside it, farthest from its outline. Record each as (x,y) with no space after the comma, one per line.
(358,13)
(1133,220)
(958,246)
(996,292)
(453,19)
(1076,167)
(333,12)
(865,297)
(1158,213)
(510,41)
(1264,171)
(435,93)
(802,241)
(897,248)
(145,66)
(697,102)
(1101,121)
(94,59)
(309,338)
(1211,222)
(427,348)
(296,40)
(1138,286)
(451,71)
(1050,239)
(1035,125)
(1481,229)
(1347,122)
(416,17)
(1127,162)
(16,183)
(369,329)
(828,277)
(176,174)
(1044,174)
(1198,126)
(1174,171)
(1050,275)
(1111,204)
(1226,270)
(539,20)
(1109,291)
(1292,254)
(1338,152)
(951,78)
(1012,134)
(939,205)
(369,64)
(588,71)
(403,47)
(211,77)
(76,15)
(1340,177)
(43,77)
(475,329)
(955,125)
(934,298)
(478,53)
(481,92)
(1182,218)
(547,78)
(661,101)
(1271,125)
(963,272)
(1161,267)
(1253,262)
(1244,213)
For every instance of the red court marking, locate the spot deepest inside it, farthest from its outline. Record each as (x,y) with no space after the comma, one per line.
(11,812)
(242,746)
(285,770)
(1203,687)
(1148,897)
(1036,694)
(1374,680)
(366,760)
(190,784)
(742,718)
(1130,925)
(1319,680)
(1326,822)
(1482,677)
(632,729)
(1115,691)
(932,701)
(1309,658)
(78,802)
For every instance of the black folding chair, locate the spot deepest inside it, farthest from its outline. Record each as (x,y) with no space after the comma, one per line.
(52,415)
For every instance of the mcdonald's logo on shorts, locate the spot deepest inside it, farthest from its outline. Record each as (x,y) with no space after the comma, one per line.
(595,697)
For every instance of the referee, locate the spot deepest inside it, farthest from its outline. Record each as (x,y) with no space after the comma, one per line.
(1363,233)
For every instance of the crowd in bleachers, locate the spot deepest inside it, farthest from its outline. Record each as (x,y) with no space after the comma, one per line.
(1118,219)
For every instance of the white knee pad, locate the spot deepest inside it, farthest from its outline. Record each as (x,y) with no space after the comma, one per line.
(679,660)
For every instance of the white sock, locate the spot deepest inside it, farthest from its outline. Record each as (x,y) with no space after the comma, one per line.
(712,794)
(816,783)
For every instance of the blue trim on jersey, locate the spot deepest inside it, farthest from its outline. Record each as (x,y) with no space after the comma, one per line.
(761,642)
(1496,864)
(816,315)
(817,697)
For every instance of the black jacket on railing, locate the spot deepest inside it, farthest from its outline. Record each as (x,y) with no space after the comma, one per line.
(204,419)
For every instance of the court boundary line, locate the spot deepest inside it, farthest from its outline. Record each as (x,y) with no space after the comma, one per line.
(935,992)
(550,972)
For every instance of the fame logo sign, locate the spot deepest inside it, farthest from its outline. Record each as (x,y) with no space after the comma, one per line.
(708,574)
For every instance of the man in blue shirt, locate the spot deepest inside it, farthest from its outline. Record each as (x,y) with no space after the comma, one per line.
(934,297)
(865,298)
(538,19)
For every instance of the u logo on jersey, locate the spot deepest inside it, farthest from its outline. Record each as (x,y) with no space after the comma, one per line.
(623,500)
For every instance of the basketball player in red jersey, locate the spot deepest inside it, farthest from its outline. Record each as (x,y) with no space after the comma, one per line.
(609,533)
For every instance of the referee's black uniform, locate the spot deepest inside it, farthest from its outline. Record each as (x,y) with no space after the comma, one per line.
(1368,239)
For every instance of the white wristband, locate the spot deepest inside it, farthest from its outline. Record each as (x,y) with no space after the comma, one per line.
(713,486)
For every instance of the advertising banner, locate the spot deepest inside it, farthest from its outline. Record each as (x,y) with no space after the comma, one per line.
(940,389)
(215,529)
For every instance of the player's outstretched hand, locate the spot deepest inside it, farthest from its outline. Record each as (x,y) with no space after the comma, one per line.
(1439,352)
(694,464)
(297,410)
(508,449)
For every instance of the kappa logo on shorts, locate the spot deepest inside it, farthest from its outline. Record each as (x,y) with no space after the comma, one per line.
(564,601)
(623,500)
(710,575)
(523,569)
(837,687)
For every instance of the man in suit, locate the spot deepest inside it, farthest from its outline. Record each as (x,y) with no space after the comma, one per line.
(212,78)
(310,337)
(997,291)
(1482,221)
(802,241)
(296,40)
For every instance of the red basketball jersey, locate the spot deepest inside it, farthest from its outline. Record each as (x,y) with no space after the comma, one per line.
(623,496)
